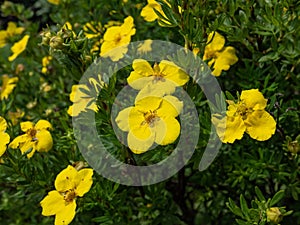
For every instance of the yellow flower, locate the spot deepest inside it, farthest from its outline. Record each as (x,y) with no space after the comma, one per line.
(45,62)
(151,120)
(55,2)
(18,47)
(148,11)
(4,137)
(220,57)
(36,138)
(247,115)
(81,100)
(117,36)
(69,185)
(145,46)
(162,79)
(150,15)
(8,84)
(11,30)
(274,215)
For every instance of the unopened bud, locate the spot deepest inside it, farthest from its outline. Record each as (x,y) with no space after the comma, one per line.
(56,42)
(274,215)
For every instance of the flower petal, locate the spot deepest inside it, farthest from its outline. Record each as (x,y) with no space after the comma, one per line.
(173,72)
(158,89)
(149,103)
(44,141)
(65,180)
(84,181)
(3,124)
(25,126)
(43,124)
(138,81)
(122,119)
(224,60)
(52,203)
(137,124)
(170,106)
(142,67)
(66,214)
(138,145)
(260,125)
(166,130)
(254,99)
(4,137)
(231,130)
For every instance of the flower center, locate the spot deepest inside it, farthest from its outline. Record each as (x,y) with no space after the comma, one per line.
(150,118)
(158,76)
(69,195)
(243,110)
(31,133)
(118,38)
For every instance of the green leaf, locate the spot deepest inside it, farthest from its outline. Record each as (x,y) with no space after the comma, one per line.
(277,197)
(244,207)
(234,208)
(259,194)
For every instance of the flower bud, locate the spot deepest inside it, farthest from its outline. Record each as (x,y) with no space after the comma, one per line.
(46,36)
(56,42)
(274,215)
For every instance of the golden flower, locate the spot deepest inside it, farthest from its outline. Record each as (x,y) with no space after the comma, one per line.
(162,79)
(247,115)
(4,137)
(11,31)
(8,85)
(151,120)
(18,48)
(36,138)
(81,100)
(219,56)
(117,36)
(69,185)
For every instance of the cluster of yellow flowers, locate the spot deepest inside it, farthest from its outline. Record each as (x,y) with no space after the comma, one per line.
(152,119)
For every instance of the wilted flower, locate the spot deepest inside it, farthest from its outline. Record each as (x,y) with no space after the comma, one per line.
(219,56)
(117,36)
(247,115)
(36,138)
(69,185)
(151,120)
